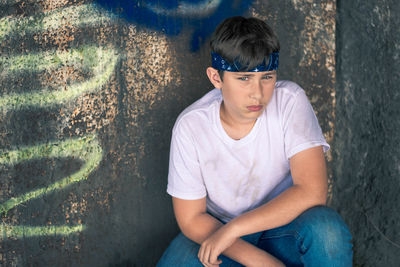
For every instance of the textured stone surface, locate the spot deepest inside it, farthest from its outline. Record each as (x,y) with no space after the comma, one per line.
(366,147)
(306,30)
(89,94)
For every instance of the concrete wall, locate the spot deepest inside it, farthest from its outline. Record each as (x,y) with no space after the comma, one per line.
(366,147)
(90,91)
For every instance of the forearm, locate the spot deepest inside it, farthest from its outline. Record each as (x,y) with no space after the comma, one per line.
(277,212)
(204,225)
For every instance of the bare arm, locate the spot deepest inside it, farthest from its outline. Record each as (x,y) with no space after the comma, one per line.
(198,225)
(309,189)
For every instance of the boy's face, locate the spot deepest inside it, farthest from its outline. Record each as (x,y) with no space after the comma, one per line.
(246,94)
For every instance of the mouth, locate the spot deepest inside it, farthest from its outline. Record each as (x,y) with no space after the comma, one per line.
(255,108)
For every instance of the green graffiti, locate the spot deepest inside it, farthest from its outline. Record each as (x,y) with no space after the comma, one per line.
(99,62)
(104,62)
(73,15)
(85,58)
(86,149)
(12,231)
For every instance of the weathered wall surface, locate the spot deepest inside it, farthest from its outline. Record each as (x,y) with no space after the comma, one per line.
(89,94)
(366,147)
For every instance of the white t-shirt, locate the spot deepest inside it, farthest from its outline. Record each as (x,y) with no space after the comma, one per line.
(240,175)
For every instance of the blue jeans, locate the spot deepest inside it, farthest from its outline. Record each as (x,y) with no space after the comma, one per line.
(317,237)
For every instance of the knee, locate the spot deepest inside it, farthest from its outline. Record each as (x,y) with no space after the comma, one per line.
(326,230)
(325,238)
(181,252)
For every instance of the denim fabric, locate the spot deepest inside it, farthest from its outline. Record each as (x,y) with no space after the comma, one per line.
(318,237)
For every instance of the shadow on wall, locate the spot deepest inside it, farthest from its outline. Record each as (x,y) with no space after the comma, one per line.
(201,16)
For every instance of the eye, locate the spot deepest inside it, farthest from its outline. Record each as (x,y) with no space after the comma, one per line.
(268,77)
(244,78)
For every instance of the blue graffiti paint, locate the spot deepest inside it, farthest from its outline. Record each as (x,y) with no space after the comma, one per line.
(170,17)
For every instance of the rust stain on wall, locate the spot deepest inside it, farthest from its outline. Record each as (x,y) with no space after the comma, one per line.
(318,39)
(148,69)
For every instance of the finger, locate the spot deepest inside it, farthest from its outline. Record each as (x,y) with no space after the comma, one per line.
(211,265)
(202,255)
(206,255)
(202,252)
(215,264)
(214,258)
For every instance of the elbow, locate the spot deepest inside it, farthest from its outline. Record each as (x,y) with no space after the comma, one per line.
(320,202)
(186,231)
(189,232)
(185,227)
(313,196)
(316,196)
(315,202)
(191,229)
(320,198)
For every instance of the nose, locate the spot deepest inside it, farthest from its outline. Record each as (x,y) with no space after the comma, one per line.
(257,90)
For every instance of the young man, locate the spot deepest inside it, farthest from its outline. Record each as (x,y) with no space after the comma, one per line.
(247,171)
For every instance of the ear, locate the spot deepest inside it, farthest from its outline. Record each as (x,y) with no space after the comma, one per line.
(214,77)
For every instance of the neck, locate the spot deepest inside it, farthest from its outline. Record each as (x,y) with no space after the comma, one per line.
(236,128)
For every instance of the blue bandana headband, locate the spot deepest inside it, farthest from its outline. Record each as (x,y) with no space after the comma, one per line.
(220,63)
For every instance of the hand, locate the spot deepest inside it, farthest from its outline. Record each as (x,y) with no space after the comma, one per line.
(214,245)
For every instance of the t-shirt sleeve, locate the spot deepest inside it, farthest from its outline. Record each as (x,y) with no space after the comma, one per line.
(300,126)
(184,178)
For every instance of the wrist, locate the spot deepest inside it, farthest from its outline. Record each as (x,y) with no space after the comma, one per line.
(265,259)
(235,228)
(252,256)
(232,229)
